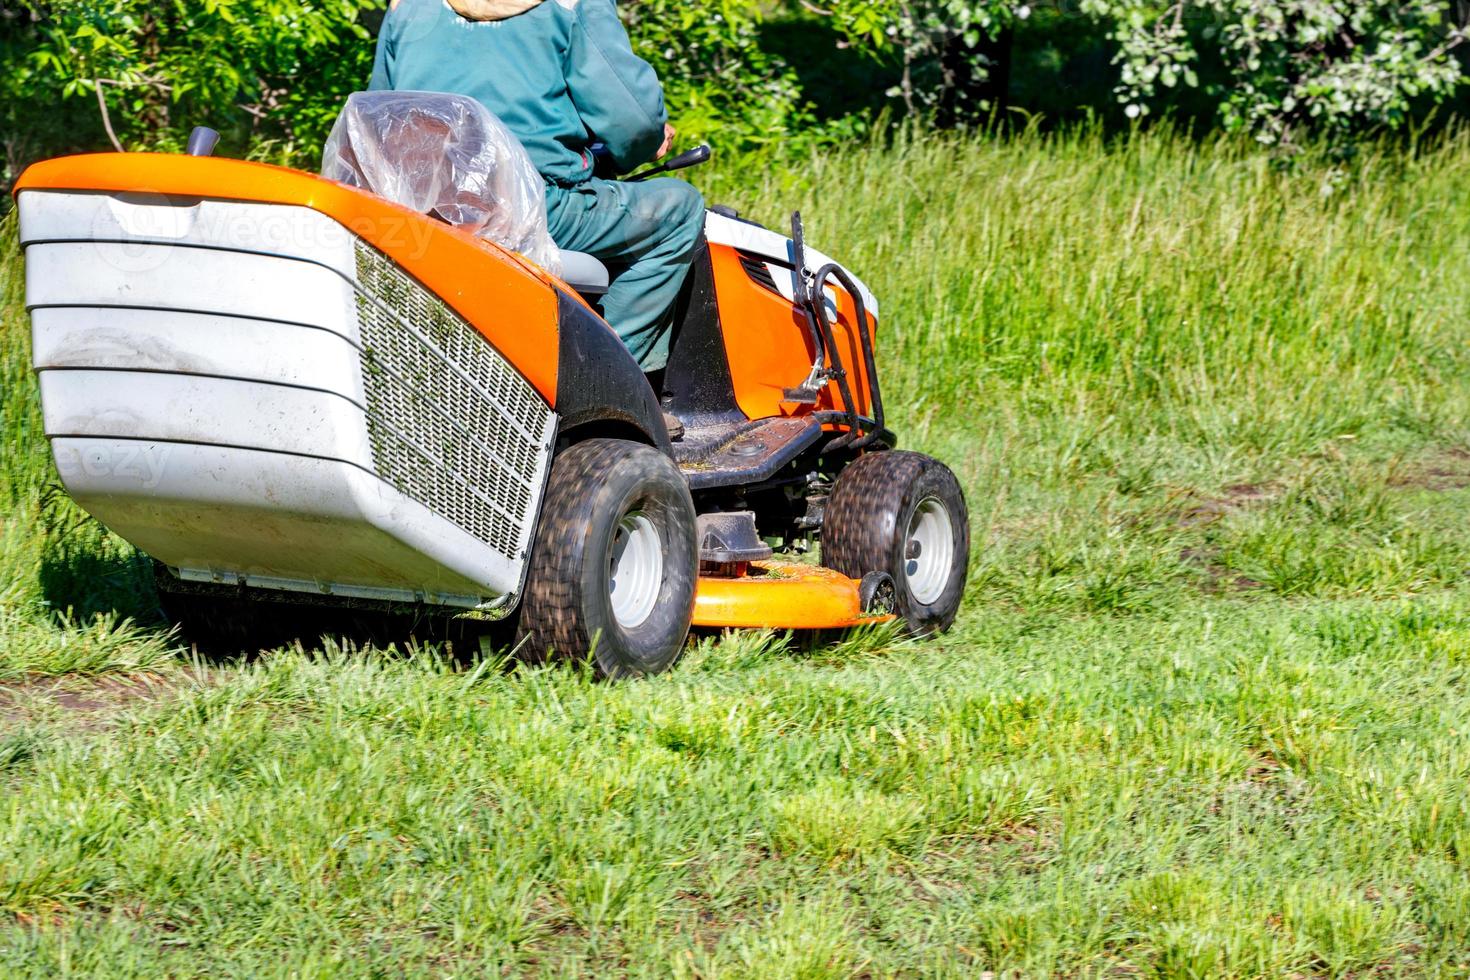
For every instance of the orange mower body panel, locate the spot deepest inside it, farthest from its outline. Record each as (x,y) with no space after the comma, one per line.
(768,345)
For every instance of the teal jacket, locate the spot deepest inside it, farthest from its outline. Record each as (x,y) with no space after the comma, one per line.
(561,76)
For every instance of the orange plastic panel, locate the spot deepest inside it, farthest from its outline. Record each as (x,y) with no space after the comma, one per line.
(781,595)
(511,301)
(769,348)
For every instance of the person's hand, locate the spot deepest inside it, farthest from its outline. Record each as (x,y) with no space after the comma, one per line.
(668,143)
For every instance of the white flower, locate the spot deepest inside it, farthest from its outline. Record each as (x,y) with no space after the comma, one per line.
(1022,12)
(1133,110)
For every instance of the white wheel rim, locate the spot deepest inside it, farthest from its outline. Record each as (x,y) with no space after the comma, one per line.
(635,571)
(928,551)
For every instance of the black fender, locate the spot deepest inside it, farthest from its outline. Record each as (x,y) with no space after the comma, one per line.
(599,386)
(697,383)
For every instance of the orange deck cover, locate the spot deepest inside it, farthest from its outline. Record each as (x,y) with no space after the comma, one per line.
(782,595)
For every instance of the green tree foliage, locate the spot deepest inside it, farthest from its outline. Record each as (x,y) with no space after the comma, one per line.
(1294,65)
(941,45)
(271,74)
(268,73)
(718,82)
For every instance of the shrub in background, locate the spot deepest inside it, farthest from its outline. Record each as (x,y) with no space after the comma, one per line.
(271,74)
(1289,67)
(1337,67)
(947,50)
(268,73)
(718,82)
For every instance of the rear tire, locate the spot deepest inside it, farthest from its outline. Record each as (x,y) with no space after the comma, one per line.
(614,561)
(902,513)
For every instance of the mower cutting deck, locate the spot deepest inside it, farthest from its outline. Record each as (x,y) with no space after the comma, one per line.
(277,385)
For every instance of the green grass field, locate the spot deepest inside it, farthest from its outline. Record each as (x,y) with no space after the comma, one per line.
(1205,712)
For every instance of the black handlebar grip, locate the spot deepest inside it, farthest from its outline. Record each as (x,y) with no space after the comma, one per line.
(689,158)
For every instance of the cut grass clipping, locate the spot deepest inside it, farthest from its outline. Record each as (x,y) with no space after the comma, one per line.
(1204,712)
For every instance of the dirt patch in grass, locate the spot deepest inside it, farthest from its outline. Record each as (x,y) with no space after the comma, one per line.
(1191,511)
(1449,470)
(1263,766)
(84,704)
(1217,578)
(1242,494)
(1198,510)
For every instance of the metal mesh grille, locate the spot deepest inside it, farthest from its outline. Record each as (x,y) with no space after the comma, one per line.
(452,424)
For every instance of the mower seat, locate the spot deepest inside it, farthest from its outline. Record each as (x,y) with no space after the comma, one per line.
(584,273)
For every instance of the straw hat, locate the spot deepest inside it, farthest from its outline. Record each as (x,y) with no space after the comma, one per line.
(491,9)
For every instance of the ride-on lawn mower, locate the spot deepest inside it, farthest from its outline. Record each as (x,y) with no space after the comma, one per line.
(297,396)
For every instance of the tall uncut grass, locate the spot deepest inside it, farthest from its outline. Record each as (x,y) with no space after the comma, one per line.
(1086,330)
(1204,712)
(69,591)
(1193,292)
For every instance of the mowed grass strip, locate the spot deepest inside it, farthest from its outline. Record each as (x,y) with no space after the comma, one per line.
(1204,713)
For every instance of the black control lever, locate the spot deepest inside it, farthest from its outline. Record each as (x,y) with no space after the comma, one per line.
(801,284)
(688,158)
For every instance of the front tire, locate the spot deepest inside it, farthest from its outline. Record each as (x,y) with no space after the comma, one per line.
(614,561)
(902,513)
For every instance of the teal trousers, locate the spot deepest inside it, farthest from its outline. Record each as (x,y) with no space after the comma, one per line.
(646,232)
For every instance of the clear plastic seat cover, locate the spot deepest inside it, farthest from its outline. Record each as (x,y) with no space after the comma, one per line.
(445,155)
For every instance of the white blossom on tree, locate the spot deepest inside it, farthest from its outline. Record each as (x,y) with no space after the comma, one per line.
(1295,65)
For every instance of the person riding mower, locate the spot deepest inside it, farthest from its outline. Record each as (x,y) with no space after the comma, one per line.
(561,75)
